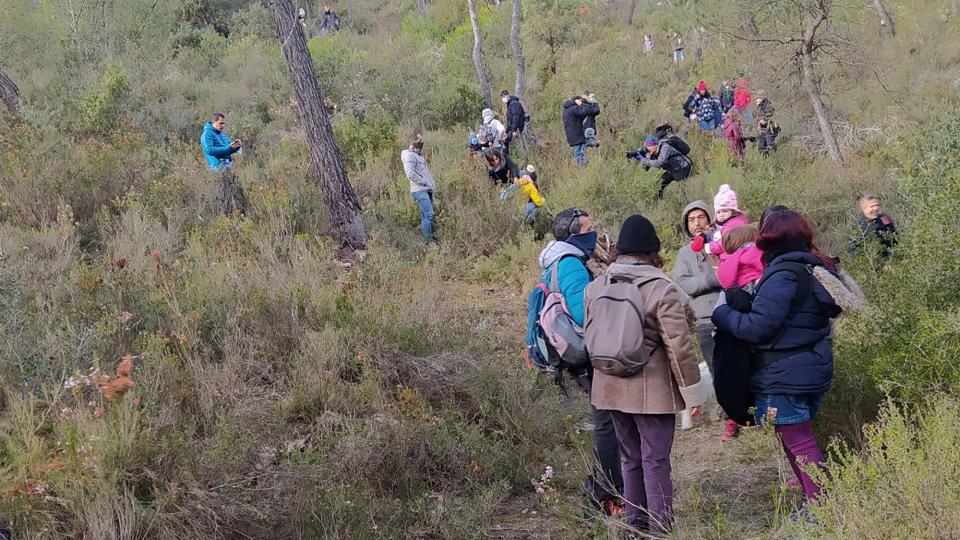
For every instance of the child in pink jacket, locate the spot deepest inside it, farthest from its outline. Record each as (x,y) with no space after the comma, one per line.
(743,267)
(727,216)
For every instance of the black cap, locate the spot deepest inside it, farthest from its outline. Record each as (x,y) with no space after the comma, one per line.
(638,235)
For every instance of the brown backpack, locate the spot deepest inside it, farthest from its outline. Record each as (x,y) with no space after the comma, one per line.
(613,330)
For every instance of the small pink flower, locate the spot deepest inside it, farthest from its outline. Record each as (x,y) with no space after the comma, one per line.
(125,316)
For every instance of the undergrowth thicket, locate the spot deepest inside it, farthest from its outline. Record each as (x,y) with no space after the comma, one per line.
(278,394)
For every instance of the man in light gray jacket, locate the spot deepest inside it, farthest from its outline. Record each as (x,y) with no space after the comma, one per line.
(421,183)
(695,275)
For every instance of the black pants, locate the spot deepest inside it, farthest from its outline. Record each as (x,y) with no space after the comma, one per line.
(606,480)
(671,176)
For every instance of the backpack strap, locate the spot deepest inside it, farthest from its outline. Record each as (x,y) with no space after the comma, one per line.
(803,274)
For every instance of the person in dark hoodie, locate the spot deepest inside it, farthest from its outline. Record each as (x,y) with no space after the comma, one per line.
(575,112)
(500,168)
(872,226)
(788,324)
(576,240)
(663,155)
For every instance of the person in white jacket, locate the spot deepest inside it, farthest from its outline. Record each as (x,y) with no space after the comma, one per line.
(496,128)
(421,183)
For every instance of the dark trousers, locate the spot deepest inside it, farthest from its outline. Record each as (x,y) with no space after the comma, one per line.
(645,442)
(705,340)
(606,478)
(669,177)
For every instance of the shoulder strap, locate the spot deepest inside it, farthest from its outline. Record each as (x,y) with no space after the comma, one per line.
(554,279)
(803,281)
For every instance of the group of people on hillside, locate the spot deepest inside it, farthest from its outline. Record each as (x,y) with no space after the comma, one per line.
(763,297)
(725,114)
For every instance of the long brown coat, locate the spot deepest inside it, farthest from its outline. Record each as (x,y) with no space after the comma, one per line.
(670,382)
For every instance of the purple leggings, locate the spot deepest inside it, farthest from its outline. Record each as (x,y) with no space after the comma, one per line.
(645,442)
(800,445)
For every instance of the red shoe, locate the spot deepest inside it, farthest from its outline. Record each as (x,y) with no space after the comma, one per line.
(613,507)
(730,431)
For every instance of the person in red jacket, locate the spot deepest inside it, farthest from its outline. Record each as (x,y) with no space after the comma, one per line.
(742,99)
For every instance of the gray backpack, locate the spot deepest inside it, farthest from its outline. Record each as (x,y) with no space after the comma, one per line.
(613,329)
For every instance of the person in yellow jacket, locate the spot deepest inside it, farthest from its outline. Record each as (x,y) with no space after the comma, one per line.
(526,182)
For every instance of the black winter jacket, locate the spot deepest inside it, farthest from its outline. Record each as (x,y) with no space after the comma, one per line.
(515,115)
(800,331)
(573,117)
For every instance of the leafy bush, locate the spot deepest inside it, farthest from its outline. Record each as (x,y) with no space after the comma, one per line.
(906,474)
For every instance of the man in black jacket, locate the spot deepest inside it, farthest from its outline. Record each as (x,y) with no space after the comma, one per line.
(516,117)
(575,111)
(872,224)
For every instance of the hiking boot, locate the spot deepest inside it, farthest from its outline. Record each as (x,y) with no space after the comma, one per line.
(613,508)
(730,431)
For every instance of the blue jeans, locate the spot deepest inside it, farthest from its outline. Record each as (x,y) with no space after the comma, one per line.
(425,202)
(578,154)
(530,212)
(782,409)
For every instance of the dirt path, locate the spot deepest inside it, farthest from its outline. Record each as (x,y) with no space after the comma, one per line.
(722,490)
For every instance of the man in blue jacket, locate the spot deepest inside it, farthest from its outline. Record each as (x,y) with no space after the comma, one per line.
(217,146)
(575,242)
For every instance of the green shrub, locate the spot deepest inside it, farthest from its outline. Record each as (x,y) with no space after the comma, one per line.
(102,109)
(906,475)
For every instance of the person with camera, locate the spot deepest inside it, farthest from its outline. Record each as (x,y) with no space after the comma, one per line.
(668,154)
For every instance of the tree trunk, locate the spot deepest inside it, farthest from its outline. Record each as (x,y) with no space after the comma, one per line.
(478,54)
(331,175)
(811,84)
(817,15)
(886,20)
(517,50)
(10,94)
(630,11)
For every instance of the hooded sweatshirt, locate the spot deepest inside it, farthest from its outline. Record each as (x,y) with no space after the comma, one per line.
(742,96)
(694,273)
(572,274)
(489,120)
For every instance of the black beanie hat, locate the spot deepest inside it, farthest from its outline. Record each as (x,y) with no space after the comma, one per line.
(638,235)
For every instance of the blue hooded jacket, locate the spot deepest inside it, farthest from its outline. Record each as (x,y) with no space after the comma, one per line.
(216,147)
(773,324)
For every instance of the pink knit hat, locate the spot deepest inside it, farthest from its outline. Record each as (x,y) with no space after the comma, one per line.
(726,199)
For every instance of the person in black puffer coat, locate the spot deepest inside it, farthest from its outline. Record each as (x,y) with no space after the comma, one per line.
(575,111)
(789,328)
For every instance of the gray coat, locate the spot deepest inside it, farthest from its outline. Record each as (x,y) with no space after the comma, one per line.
(695,274)
(415,167)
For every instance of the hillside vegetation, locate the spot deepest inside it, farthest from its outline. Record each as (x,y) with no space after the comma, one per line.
(278,393)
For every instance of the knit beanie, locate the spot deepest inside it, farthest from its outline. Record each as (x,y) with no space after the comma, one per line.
(650,141)
(638,235)
(487,115)
(726,199)
(702,87)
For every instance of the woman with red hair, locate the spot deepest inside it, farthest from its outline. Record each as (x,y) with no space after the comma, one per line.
(788,326)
